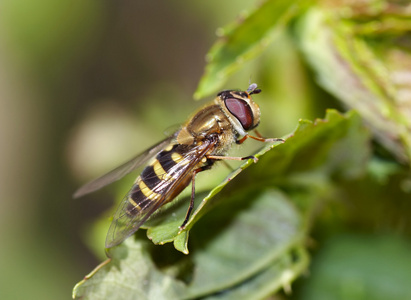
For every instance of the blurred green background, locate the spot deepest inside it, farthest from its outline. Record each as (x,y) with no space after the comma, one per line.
(84,85)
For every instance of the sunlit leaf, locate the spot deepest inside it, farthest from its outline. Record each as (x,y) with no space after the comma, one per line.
(243,40)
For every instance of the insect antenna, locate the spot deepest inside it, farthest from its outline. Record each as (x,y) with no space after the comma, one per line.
(253,89)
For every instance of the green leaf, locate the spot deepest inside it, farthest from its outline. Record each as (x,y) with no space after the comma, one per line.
(243,40)
(130,274)
(366,65)
(276,276)
(336,146)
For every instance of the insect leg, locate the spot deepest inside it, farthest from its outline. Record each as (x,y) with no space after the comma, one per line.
(259,138)
(193,190)
(242,140)
(232,157)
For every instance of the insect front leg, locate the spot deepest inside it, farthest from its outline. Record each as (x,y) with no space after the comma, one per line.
(260,138)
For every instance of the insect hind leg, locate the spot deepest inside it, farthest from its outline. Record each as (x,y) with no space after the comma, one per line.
(191,206)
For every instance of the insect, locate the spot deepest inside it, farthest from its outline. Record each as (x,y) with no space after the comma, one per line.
(175,161)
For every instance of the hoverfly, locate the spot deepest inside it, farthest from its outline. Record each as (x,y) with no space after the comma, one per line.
(175,161)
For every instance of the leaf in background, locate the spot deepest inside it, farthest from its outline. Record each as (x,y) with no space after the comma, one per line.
(243,40)
(361,54)
(354,266)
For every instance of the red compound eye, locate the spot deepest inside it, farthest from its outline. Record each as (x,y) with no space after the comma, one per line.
(241,110)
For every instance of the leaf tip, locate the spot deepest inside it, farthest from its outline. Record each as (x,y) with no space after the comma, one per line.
(180,242)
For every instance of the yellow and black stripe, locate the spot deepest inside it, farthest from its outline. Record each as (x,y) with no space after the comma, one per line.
(155,180)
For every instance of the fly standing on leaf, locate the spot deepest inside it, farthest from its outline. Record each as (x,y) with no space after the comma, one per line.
(174,162)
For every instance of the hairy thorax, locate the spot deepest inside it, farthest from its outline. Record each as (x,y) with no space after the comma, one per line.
(208,123)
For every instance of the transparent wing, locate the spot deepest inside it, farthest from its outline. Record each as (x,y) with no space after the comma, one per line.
(125,224)
(122,170)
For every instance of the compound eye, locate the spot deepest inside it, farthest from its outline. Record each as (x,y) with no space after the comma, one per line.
(241,110)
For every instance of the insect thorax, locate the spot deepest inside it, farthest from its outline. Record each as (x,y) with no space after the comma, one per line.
(208,123)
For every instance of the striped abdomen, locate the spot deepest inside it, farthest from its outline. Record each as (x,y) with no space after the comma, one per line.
(158,180)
